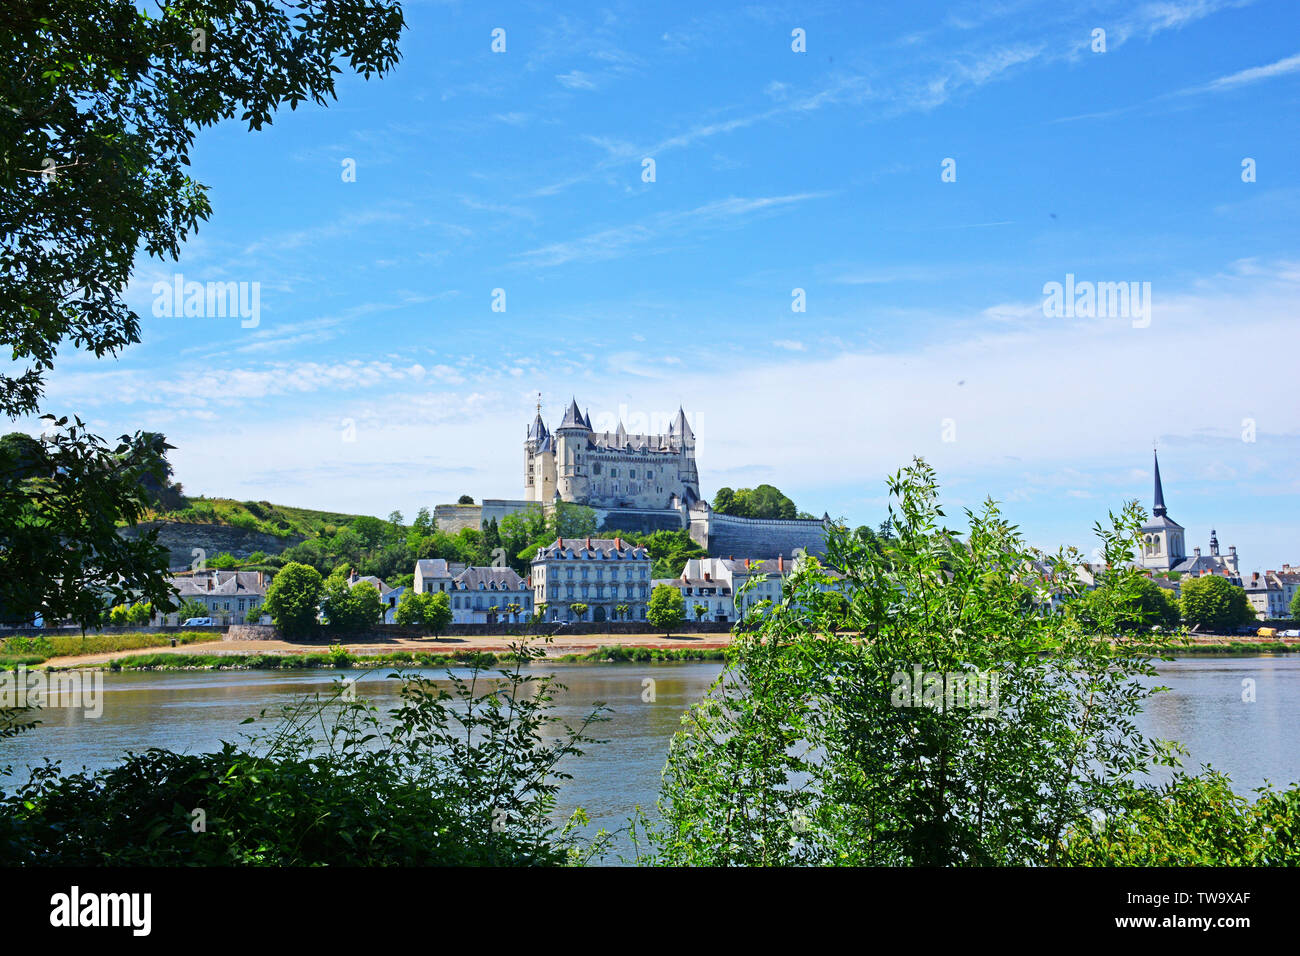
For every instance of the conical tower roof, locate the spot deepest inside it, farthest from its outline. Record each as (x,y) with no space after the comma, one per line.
(573,418)
(680,426)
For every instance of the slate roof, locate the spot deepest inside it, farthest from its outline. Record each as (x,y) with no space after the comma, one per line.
(573,417)
(492,579)
(224,583)
(433,568)
(603,546)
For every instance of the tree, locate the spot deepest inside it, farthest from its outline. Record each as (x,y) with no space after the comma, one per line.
(579,610)
(667,608)
(253,615)
(951,727)
(622,611)
(1146,605)
(700,610)
(350,608)
(765,501)
(293,599)
(370,531)
(437,612)
(1214,603)
(410,609)
(120,615)
(62,500)
(491,540)
(572,521)
(464,500)
(140,613)
(101,105)
(521,533)
(1295,606)
(114,97)
(423,523)
(191,608)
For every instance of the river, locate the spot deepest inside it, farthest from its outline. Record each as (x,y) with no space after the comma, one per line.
(192,711)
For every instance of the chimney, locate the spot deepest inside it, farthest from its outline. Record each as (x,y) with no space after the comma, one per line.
(747,564)
(589,542)
(209,582)
(780,564)
(618,544)
(261,580)
(706,576)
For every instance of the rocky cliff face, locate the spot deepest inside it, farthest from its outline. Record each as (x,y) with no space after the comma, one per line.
(211,539)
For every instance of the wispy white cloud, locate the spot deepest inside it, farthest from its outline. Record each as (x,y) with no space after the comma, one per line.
(619,240)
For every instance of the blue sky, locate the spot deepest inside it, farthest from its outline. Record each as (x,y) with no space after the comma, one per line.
(380,378)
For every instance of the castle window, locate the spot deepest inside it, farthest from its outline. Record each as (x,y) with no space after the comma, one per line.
(631,472)
(595,469)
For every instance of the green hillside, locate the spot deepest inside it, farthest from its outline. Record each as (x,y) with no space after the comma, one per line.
(283,521)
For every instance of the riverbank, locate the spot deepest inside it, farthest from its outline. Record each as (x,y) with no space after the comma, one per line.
(434,652)
(140,652)
(44,649)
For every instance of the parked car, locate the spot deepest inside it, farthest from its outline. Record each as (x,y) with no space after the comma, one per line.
(1291,633)
(198,622)
(1266,632)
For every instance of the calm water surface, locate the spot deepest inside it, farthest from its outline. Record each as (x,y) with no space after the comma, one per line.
(195,711)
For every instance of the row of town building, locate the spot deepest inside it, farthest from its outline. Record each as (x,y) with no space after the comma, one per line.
(609,576)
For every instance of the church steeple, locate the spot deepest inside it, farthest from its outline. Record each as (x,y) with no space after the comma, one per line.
(1158,508)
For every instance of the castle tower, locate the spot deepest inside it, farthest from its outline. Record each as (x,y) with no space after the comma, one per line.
(1162,537)
(539,460)
(679,432)
(571,440)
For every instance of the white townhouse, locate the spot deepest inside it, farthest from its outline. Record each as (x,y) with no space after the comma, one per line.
(1267,596)
(434,574)
(602,573)
(228,596)
(714,596)
(717,582)
(1288,579)
(490,596)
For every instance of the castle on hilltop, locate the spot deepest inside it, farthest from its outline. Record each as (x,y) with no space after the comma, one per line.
(610,469)
(637,483)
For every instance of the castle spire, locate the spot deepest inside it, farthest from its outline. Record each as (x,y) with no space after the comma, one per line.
(1158,509)
(572,417)
(681,426)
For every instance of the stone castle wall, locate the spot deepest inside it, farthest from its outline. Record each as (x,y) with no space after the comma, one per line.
(452,518)
(641,521)
(730,536)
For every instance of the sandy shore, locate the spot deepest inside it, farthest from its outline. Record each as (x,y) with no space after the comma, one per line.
(557,647)
(571,644)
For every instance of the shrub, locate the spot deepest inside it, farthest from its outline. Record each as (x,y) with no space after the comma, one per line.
(461,778)
(821,749)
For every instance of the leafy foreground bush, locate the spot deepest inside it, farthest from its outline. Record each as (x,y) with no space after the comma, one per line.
(1194,821)
(820,748)
(460,778)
